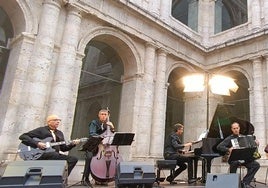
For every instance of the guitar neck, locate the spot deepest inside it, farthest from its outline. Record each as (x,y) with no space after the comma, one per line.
(57,143)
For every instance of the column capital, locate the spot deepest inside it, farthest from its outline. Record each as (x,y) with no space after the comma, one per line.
(255,59)
(58,3)
(74,10)
(80,55)
(167,85)
(162,51)
(150,44)
(265,56)
(131,78)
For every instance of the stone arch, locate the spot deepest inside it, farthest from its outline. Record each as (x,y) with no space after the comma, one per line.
(175,97)
(242,97)
(23,20)
(121,43)
(238,69)
(180,64)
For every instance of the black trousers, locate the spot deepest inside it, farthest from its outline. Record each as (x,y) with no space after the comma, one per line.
(71,160)
(181,162)
(88,158)
(252,168)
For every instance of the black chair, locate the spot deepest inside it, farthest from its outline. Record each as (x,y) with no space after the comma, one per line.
(164,165)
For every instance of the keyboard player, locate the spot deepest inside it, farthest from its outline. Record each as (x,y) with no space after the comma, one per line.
(251,165)
(174,150)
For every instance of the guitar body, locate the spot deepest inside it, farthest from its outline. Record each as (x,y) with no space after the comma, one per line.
(30,153)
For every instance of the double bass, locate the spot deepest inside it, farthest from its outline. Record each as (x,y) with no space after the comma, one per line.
(103,164)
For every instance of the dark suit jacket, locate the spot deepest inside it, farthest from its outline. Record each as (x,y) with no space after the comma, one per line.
(43,133)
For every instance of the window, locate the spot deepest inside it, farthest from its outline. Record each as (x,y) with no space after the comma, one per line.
(230,13)
(186,11)
(6,32)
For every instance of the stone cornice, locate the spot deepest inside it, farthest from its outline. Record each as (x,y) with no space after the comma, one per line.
(180,43)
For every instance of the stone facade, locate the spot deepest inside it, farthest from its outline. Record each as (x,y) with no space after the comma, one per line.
(46,53)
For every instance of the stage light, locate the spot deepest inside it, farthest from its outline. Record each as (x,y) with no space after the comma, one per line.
(194,83)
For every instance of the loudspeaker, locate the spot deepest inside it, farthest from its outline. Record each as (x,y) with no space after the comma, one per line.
(135,173)
(223,180)
(38,173)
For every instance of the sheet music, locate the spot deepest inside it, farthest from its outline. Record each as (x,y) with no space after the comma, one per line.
(197,143)
(244,142)
(235,143)
(203,135)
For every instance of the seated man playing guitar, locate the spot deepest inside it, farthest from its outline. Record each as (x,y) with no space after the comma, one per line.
(36,139)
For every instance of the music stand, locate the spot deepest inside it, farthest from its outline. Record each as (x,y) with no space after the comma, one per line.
(242,154)
(91,145)
(245,154)
(122,139)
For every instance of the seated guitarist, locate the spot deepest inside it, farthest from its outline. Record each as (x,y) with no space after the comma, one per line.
(251,165)
(35,137)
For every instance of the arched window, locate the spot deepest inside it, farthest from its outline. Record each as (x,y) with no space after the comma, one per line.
(230,13)
(186,11)
(240,99)
(175,101)
(100,87)
(6,32)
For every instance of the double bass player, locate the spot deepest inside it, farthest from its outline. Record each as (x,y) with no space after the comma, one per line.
(96,128)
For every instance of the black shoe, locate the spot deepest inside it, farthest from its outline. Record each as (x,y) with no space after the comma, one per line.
(244,185)
(101,183)
(170,180)
(190,181)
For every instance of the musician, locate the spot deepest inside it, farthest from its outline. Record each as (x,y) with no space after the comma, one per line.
(50,131)
(174,150)
(96,128)
(251,165)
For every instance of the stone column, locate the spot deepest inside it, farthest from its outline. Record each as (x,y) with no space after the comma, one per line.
(146,106)
(194,103)
(266,95)
(255,15)
(159,109)
(67,74)
(154,7)
(165,10)
(258,102)
(206,17)
(39,72)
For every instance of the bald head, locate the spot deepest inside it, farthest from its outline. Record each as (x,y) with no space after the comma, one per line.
(53,121)
(52,117)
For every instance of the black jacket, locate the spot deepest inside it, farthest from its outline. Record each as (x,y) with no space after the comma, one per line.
(173,144)
(31,138)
